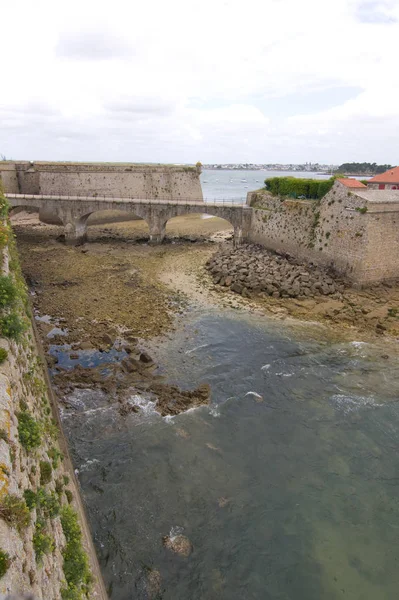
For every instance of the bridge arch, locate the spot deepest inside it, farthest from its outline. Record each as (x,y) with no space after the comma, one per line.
(198,223)
(108,216)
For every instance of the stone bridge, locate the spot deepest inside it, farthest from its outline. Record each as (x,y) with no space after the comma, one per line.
(73,211)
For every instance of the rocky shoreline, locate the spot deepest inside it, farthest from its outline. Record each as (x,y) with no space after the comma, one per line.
(130,373)
(251,269)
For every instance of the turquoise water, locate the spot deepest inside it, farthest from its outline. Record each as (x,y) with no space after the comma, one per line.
(287,485)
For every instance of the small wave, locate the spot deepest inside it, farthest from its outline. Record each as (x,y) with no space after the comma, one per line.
(349,404)
(284,374)
(170,418)
(146,406)
(254,394)
(196,348)
(265,367)
(100,409)
(215,412)
(175,531)
(86,465)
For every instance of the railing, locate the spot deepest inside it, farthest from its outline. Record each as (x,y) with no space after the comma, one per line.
(217,202)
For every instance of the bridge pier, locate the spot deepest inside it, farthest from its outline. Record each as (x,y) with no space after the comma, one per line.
(76,232)
(157,228)
(238,236)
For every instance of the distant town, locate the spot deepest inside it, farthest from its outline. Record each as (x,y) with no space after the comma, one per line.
(361,169)
(311,167)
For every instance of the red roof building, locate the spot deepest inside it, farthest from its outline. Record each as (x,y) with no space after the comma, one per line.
(352,183)
(385,181)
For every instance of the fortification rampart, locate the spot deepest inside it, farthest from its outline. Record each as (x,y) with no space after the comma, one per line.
(119,180)
(102,179)
(353,231)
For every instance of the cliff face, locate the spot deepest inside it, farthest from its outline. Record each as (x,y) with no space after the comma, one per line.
(45,548)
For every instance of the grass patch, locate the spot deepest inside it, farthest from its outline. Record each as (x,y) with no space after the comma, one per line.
(42,542)
(4,563)
(46,472)
(8,291)
(55,455)
(3,355)
(29,432)
(14,511)
(47,505)
(76,564)
(12,326)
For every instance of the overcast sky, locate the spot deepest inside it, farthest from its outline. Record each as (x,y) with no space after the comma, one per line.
(215,81)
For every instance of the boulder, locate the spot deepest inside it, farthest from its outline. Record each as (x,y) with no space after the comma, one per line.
(129,364)
(237,287)
(179,544)
(145,358)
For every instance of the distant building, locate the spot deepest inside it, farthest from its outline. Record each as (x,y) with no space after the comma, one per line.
(385,181)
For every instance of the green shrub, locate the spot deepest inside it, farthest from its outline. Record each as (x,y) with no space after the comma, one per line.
(8,291)
(14,511)
(295,187)
(30,499)
(66,479)
(69,496)
(46,471)
(47,505)
(59,487)
(3,355)
(55,456)
(4,435)
(28,431)
(4,563)
(12,326)
(42,542)
(76,565)
(50,427)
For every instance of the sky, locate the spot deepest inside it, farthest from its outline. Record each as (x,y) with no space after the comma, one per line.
(257,81)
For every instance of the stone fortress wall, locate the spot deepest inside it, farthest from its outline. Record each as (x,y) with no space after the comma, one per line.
(26,400)
(113,180)
(354,231)
(119,180)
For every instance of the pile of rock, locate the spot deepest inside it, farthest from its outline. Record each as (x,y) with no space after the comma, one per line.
(251,269)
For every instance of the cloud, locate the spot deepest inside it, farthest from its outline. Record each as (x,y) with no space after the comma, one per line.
(92,45)
(376,11)
(277,81)
(140,105)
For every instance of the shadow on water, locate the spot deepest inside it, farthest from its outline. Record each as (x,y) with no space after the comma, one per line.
(288,492)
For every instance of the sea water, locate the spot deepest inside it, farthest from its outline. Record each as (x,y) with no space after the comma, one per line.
(286,485)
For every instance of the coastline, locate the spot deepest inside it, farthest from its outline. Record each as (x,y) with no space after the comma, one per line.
(142,288)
